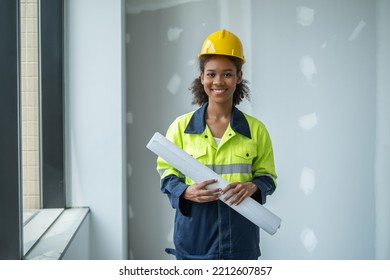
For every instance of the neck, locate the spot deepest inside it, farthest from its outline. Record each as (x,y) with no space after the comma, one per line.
(219,111)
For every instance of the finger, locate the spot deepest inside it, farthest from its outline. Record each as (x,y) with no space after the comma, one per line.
(231,190)
(208,198)
(209,192)
(206,183)
(239,197)
(229,195)
(229,187)
(209,182)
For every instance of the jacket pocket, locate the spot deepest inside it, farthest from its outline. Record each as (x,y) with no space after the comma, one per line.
(196,151)
(245,153)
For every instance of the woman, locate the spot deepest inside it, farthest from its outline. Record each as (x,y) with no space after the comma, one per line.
(235,145)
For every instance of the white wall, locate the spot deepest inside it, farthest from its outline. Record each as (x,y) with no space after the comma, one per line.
(95,132)
(312,67)
(315,87)
(382,162)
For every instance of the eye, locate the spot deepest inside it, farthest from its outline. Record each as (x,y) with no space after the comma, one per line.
(211,75)
(228,74)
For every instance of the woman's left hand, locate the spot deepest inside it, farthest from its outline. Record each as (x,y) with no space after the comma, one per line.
(238,191)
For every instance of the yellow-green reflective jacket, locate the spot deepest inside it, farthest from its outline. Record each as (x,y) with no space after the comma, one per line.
(213,230)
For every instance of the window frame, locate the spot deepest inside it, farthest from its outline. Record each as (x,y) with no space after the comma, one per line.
(51,14)
(11,237)
(51,30)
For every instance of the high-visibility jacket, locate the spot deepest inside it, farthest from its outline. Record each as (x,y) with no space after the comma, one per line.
(213,230)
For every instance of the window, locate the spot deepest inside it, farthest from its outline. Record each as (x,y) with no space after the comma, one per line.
(29,78)
(44,70)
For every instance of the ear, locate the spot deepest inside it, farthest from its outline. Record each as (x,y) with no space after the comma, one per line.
(239,77)
(202,78)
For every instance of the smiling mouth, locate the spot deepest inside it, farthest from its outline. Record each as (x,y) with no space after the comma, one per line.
(219,91)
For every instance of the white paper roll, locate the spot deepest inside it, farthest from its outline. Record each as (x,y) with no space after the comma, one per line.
(249,208)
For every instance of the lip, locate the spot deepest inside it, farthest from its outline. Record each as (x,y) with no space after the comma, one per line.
(219,90)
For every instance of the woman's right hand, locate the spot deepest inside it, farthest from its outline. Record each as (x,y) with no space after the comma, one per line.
(199,193)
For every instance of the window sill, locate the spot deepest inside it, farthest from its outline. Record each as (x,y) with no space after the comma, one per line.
(48,232)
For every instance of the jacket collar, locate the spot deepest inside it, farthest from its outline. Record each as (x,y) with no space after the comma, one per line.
(238,122)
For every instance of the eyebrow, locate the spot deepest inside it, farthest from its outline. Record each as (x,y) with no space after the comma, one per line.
(213,70)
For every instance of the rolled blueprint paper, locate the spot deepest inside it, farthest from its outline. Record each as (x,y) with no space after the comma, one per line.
(185,163)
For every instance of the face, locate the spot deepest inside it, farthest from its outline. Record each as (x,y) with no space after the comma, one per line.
(219,79)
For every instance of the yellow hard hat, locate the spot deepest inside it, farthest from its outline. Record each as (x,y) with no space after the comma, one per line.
(223,42)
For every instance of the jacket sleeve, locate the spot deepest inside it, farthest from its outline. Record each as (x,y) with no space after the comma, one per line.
(174,188)
(264,174)
(172,181)
(266,187)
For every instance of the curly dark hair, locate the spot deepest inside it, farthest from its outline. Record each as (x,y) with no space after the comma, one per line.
(200,97)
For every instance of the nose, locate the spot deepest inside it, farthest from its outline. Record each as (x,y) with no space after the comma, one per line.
(219,80)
